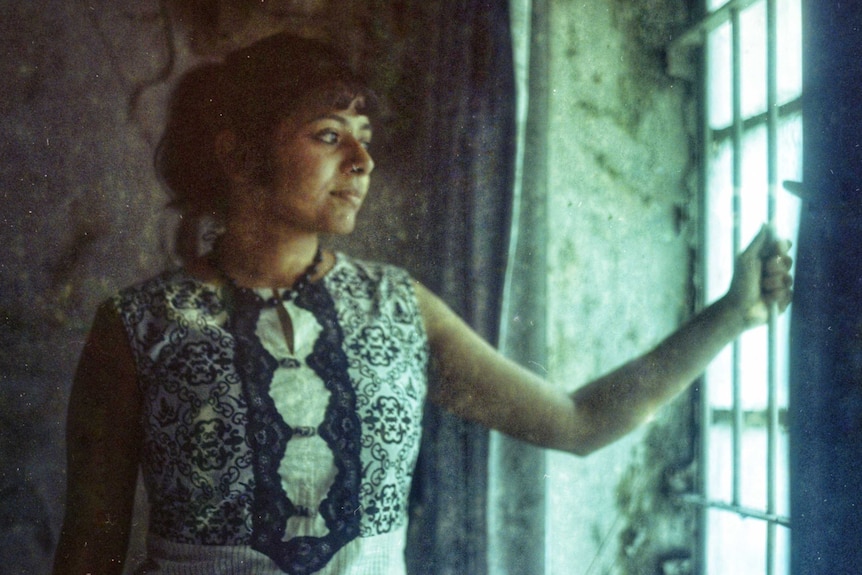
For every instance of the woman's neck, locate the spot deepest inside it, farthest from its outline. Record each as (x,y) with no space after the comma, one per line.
(253,259)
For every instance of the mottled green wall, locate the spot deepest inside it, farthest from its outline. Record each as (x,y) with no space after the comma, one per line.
(621,229)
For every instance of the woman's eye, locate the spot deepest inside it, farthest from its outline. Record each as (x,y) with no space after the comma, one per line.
(328,137)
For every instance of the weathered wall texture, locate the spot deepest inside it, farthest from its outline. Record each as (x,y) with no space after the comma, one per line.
(81,215)
(620,233)
(83,85)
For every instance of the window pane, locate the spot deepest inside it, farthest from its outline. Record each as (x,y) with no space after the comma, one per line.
(715,4)
(753,472)
(720,101)
(789,38)
(755,183)
(752,25)
(753,475)
(753,372)
(754,204)
(719,221)
(789,168)
(737,546)
(782,550)
(787,208)
(734,544)
(782,475)
(720,465)
(719,264)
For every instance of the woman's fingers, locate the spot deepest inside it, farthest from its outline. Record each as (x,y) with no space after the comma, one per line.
(775,282)
(777,264)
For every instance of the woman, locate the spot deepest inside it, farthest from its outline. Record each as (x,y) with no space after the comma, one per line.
(272,391)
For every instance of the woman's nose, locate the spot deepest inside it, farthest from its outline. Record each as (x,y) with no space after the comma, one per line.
(360,160)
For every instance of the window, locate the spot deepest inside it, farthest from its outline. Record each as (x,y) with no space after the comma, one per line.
(751,145)
(611,214)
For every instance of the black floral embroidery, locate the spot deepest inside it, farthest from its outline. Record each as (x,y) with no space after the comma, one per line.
(199,363)
(389,419)
(375,347)
(212,444)
(387,351)
(195,453)
(165,413)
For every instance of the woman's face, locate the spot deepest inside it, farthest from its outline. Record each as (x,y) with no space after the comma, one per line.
(320,170)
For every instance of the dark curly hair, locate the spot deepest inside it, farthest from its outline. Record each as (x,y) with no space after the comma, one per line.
(247,93)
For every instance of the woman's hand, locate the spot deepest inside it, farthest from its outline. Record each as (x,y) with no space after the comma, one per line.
(761,278)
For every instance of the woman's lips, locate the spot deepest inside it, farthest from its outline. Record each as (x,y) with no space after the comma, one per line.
(350,195)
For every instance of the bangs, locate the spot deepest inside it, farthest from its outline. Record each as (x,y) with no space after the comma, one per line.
(340,95)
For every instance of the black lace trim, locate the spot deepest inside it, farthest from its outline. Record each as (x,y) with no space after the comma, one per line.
(269,434)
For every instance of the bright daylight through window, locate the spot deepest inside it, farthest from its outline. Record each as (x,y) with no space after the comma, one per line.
(752,147)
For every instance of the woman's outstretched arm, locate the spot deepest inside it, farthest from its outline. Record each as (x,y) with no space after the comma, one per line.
(103,438)
(475,382)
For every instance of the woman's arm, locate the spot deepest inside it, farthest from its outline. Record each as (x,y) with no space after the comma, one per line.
(103,439)
(477,383)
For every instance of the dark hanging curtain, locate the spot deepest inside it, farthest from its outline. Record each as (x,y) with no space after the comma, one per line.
(465,129)
(826,330)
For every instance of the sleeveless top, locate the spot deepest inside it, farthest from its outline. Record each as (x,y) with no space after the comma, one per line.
(257,459)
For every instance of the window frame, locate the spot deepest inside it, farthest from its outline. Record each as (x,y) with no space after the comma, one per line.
(774,417)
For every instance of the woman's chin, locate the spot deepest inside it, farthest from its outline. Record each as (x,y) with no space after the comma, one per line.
(342,226)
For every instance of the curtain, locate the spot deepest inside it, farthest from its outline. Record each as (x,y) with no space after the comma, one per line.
(826,323)
(463,83)
(516,506)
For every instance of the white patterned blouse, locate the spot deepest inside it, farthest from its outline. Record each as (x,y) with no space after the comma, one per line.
(262,460)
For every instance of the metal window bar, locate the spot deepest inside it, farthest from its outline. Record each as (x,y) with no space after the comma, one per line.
(705,411)
(736,382)
(772,360)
